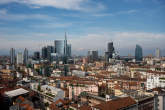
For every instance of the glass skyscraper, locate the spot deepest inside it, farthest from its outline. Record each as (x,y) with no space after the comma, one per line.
(44,53)
(12,56)
(69,50)
(59,47)
(110,51)
(138,53)
(19,58)
(25,59)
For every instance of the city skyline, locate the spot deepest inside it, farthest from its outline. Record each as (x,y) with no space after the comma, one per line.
(32,25)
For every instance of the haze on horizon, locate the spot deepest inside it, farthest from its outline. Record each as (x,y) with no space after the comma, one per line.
(90,24)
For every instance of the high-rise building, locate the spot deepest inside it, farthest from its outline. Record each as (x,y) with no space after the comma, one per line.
(50,50)
(19,58)
(44,53)
(59,47)
(69,50)
(92,55)
(62,49)
(12,56)
(65,46)
(36,55)
(25,59)
(138,53)
(110,51)
(158,53)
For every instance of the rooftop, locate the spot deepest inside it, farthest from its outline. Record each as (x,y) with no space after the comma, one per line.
(16,92)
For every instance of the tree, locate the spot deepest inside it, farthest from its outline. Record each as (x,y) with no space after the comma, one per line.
(39,88)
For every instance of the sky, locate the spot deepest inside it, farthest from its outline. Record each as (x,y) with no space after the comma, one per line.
(89,24)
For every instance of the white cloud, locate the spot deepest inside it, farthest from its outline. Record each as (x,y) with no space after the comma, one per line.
(3,11)
(83,5)
(52,25)
(4,15)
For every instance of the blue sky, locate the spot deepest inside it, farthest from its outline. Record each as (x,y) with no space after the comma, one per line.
(90,24)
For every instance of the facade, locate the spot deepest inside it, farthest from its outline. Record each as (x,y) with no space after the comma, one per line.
(19,58)
(44,53)
(54,92)
(138,53)
(160,102)
(65,46)
(59,47)
(50,49)
(155,79)
(76,89)
(110,51)
(25,59)
(111,47)
(36,55)
(12,56)
(92,55)
(69,50)
(157,53)
(159,99)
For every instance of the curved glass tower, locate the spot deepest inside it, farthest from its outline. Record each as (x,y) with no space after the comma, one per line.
(59,47)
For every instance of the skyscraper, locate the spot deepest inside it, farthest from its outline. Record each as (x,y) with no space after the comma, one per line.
(19,58)
(50,50)
(37,55)
(138,53)
(110,47)
(92,55)
(12,56)
(65,45)
(62,49)
(110,51)
(59,47)
(69,50)
(44,53)
(25,57)
(158,53)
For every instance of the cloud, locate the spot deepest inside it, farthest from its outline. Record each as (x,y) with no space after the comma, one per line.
(4,15)
(3,11)
(52,25)
(81,5)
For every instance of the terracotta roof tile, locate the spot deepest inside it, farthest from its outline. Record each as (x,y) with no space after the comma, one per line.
(116,104)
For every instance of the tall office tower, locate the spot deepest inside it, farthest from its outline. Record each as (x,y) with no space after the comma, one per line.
(59,47)
(111,48)
(36,55)
(92,56)
(69,50)
(50,50)
(110,51)
(65,45)
(19,58)
(158,53)
(12,56)
(138,53)
(25,56)
(44,53)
